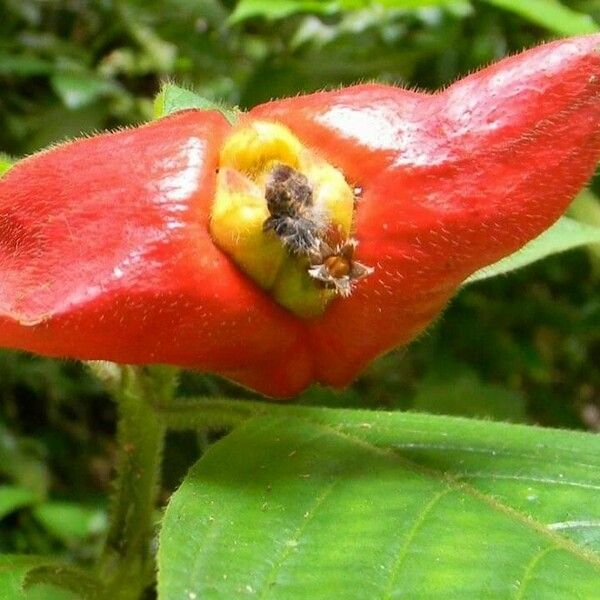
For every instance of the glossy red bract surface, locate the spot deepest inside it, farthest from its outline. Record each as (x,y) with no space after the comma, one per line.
(105,250)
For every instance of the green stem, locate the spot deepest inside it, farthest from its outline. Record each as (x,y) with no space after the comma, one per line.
(211,413)
(146,410)
(126,566)
(225,413)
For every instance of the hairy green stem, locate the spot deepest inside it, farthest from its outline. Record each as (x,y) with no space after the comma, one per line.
(212,413)
(126,566)
(146,410)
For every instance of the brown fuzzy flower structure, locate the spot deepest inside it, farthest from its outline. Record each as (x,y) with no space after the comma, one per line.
(336,267)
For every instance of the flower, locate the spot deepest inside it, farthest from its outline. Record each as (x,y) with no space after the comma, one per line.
(295,246)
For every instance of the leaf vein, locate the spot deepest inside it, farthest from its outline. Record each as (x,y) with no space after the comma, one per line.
(308,517)
(529,568)
(494,503)
(545,480)
(403,550)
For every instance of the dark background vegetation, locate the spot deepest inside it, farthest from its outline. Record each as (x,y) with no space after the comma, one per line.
(523,348)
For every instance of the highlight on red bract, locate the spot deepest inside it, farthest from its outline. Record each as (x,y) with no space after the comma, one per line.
(296,245)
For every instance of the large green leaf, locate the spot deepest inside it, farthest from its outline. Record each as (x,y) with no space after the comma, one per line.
(316,503)
(565,234)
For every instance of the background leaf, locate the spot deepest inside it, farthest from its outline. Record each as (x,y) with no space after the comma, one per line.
(452,388)
(77,90)
(173,98)
(586,209)
(5,163)
(20,466)
(565,234)
(13,572)
(246,9)
(356,504)
(13,498)
(71,522)
(551,14)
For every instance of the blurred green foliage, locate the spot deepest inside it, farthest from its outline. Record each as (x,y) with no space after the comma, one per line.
(73,66)
(520,348)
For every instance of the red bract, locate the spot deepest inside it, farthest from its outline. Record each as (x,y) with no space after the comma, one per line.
(106,253)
